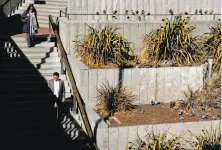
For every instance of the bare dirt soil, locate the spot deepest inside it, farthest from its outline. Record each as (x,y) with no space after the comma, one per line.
(158,114)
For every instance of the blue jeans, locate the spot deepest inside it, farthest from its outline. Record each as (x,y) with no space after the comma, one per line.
(28,37)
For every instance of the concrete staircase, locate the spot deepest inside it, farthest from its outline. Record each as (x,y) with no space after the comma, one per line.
(26,110)
(51,7)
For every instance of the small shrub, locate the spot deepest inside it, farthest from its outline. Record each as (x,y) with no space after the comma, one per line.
(104,47)
(172,44)
(156,142)
(208,140)
(113,99)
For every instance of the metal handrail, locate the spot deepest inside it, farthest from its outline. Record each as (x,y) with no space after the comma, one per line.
(78,97)
(12,6)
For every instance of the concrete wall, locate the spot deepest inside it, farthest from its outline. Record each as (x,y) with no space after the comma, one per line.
(115,138)
(133,31)
(152,6)
(167,84)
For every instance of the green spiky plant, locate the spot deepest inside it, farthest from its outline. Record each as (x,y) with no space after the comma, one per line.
(208,140)
(172,43)
(212,44)
(104,47)
(112,99)
(156,142)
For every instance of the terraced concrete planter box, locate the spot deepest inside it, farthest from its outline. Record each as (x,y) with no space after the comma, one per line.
(134,31)
(115,138)
(166,84)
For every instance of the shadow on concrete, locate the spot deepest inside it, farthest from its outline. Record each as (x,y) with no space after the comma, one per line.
(28,118)
(11,25)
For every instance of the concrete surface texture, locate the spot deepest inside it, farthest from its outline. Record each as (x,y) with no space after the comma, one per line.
(151,6)
(170,82)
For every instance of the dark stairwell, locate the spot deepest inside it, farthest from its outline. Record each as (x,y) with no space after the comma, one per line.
(28,119)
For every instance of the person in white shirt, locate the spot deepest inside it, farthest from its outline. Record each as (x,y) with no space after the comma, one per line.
(58,90)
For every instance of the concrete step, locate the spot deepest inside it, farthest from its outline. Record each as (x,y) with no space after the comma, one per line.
(42,54)
(54,3)
(31,77)
(32,57)
(33,60)
(44,17)
(33,90)
(60,6)
(40,13)
(33,49)
(20,95)
(32,82)
(43,44)
(30,54)
(48,66)
(23,43)
(45,10)
(47,60)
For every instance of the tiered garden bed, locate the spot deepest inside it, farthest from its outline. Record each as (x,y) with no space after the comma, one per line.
(171,62)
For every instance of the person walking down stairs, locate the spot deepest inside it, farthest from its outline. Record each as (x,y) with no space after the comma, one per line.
(30,24)
(58,90)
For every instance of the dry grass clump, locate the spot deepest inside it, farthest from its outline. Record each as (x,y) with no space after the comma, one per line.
(207,140)
(105,47)
(112,99)
(212,45)
(172,44)
(208,97)
(156,142)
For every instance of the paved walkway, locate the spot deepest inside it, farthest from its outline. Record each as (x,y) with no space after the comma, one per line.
(41,31)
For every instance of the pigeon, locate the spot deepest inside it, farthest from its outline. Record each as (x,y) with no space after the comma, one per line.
(196,11)
(200,11)
(137,12)
(143,12)
(211,12)
(171,12)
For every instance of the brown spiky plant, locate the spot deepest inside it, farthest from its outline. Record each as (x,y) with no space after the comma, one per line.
(212,44)
(172,44)
(103,47)
(114,98)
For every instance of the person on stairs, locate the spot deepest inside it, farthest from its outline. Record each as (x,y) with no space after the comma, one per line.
(57,87)
(30,24)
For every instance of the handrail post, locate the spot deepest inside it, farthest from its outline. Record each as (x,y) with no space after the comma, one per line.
(49,37)
(74,105)
(62,66)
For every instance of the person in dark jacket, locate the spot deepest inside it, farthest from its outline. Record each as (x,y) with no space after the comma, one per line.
(30,26)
